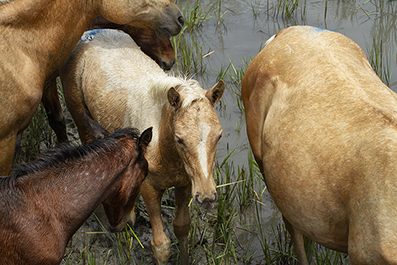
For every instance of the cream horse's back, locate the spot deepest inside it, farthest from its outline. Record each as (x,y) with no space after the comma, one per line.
(125,69)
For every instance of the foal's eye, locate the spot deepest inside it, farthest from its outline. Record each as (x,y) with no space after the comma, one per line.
(179,140)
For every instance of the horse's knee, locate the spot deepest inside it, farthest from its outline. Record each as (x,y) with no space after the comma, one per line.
(162,252)
(181,231)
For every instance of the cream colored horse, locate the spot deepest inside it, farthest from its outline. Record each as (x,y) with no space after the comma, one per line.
(37,35)
(108,77)
(323,129)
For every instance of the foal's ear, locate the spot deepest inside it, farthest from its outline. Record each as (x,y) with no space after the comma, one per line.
(214,94)
(174,98)
(145,138)
(97,131)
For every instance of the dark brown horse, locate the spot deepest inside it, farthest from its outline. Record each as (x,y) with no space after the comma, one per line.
(43,203)
(37,36)
(160,50)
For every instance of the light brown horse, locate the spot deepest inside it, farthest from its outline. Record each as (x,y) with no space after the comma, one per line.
(323,129)
(36,37)
(123,86)
(160,50)
(43,203)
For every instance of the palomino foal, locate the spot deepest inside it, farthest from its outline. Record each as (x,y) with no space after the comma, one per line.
(43,203)
(324,134)
(36,37)
(160,50)
(123,86)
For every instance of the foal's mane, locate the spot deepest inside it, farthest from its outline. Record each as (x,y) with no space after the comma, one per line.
(189,88)
(71,152)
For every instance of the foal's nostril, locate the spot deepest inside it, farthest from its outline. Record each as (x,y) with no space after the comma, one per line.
(196,198)
(181,20)
(215,197)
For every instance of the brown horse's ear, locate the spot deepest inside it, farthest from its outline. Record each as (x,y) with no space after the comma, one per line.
(174,98)
(214,94)
(145,138)
(97,131)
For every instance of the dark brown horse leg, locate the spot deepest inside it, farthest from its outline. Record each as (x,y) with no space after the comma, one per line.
(297,237)
(182,221)
(53,108)
(161,244)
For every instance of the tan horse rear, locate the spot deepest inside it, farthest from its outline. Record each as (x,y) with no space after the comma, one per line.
(108,77)
(323,129)
(37,35)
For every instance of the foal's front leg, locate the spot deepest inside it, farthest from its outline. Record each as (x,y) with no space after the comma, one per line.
(161,244)
(182,221)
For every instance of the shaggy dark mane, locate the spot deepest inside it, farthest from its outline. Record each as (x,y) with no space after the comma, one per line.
(70,151)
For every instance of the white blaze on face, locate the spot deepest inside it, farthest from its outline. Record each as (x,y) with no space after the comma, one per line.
(204,129)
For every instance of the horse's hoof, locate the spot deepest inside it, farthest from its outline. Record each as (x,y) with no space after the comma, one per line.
(162,252)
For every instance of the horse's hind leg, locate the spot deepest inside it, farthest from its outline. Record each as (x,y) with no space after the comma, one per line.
(297,237)
(53,108)
(161,244)
(182,221)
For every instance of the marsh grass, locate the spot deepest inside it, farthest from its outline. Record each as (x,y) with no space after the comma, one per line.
(37,138)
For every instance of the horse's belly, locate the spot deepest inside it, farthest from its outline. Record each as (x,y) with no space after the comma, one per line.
(316,215)
(309,197)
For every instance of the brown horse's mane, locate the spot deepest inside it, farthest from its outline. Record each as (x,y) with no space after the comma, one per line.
(70,151)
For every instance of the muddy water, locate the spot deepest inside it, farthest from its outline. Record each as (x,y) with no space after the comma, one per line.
(237,37)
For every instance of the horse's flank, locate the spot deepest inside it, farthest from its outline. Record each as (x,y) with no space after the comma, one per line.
(324,134)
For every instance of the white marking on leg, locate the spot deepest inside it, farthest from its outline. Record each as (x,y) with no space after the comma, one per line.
(204,129)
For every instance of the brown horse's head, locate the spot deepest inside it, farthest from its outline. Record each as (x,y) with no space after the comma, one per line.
(160,50)
(197,131)
(119,207)
(120,203)
(163,16)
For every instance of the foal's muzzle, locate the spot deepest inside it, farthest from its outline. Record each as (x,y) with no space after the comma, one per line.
(206,202)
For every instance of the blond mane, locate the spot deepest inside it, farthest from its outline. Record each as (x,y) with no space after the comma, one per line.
(189,89)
